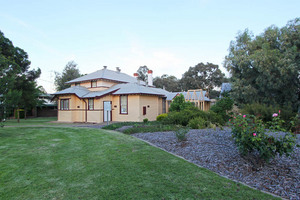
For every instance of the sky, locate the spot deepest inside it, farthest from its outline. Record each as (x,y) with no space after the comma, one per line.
(168,36)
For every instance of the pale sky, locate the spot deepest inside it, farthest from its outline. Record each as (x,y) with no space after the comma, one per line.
(168,36)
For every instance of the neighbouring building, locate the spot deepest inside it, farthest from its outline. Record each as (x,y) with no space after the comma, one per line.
(107,95)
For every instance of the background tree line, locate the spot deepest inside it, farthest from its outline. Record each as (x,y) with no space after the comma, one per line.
(202,76)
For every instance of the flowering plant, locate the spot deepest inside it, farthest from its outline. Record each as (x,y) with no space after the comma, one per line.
(250,136)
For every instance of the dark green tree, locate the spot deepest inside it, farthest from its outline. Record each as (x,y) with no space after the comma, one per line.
(17,81)
(202,76)
(170,83)
(266,68)
(70,72)
(179,104)
(143,73)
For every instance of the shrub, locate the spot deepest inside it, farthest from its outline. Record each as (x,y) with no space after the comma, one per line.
(197,123)
(145,120)
(265,112)
(222,107)
(183,117)
(251,139)
(180,104)
(181,134)
(161,117)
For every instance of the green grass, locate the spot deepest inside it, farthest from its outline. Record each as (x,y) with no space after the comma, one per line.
(31,121)
(82,163)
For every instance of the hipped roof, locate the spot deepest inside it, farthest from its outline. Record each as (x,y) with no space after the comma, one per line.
(120,89)
(107,75)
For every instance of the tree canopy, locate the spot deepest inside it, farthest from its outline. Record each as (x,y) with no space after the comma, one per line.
(70,72)
(169,83)
(266,68)
(203,76)
(18,86)
(143,73)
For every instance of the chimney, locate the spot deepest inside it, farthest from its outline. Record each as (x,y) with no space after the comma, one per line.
(150,78)
(118,69)
(104,67)
(135,75)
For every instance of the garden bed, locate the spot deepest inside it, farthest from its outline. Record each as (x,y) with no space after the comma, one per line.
(215,150)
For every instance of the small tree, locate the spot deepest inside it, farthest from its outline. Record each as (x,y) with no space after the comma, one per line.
(70,72)
(179,104)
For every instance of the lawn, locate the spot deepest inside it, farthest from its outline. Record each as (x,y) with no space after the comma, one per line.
(83,163)
(31,121)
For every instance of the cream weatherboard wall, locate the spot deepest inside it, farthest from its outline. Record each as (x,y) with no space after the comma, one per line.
(101,85)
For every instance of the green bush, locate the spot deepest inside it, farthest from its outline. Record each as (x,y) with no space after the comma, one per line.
(251,139)
(222,107)
(265,112)
(197,123)
(145,120)
(179,104)
(22,114)
(183,117)
(181,134)
(161,117)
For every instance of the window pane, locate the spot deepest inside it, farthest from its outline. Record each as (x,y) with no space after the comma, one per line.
(123,104)
(91,104)
(94,83)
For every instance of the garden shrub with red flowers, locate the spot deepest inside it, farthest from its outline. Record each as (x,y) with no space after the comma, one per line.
(250,136)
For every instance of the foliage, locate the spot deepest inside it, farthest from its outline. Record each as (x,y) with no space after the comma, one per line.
(222,107)
(197,123)
(161,117)
(251,139)
(183,117)
(204,76)
(20,92)
(69,73)
(263,67)
(143,73)
(169,83)
(181,134)
(145,120)
(214,94)
(264,112)
(179,104)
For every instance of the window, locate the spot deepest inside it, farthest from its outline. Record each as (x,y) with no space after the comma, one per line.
(91,104)
(64,104)
(94,83)
(124,104)
(77,84)
(144,110)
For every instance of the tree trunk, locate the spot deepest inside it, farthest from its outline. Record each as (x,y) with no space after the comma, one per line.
(25,116)
(18,111)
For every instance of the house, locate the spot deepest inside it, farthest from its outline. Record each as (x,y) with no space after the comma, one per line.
(107,95)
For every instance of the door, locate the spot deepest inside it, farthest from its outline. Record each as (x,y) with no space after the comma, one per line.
(106,111)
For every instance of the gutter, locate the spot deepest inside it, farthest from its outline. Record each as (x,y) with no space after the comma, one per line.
(85,110)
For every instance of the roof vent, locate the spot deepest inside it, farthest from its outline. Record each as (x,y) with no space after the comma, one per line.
(118,69)
(104,67)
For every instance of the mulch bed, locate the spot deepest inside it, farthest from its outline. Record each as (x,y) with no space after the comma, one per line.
(215,150)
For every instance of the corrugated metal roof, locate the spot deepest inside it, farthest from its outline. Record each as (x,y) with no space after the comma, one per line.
(125,88)
(133,88)
(77,90)
(226,87)
(198,95)
(107,74)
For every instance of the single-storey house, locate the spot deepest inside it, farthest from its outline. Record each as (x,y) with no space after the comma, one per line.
(107,95)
